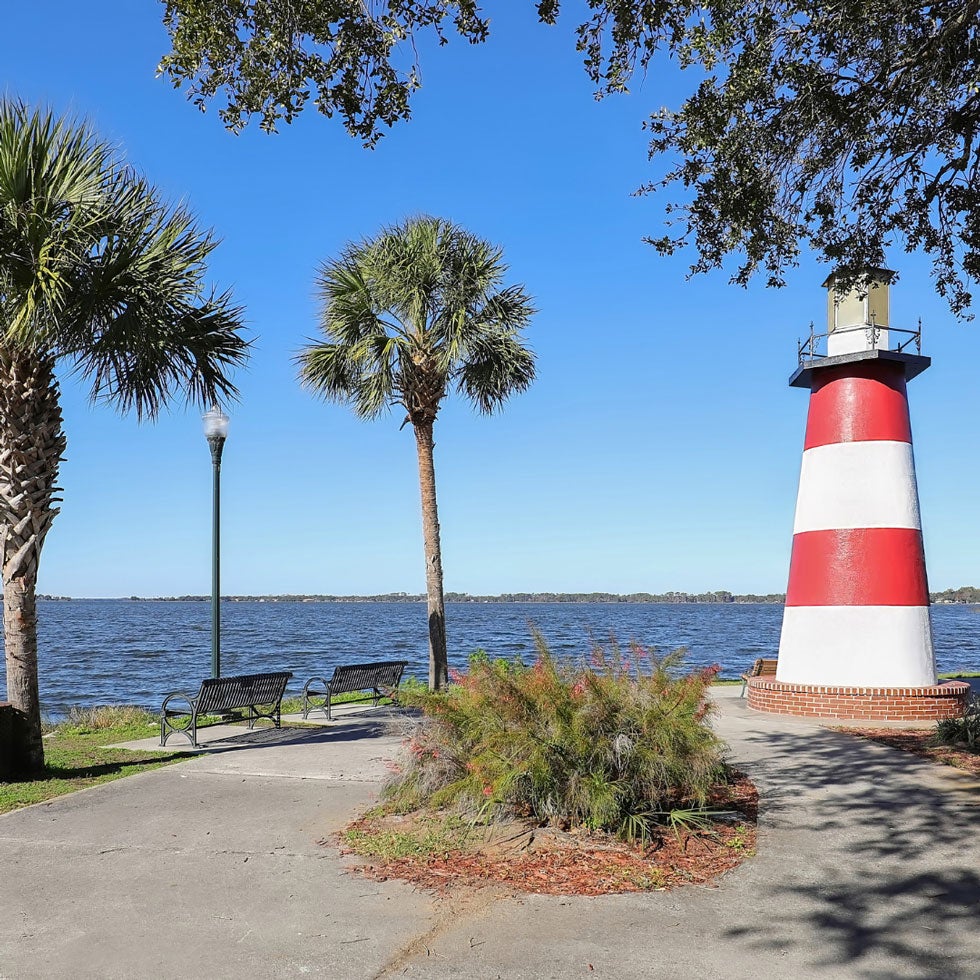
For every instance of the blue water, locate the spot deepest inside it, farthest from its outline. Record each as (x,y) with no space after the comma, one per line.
(112,651)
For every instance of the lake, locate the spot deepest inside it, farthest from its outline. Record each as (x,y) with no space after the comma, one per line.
(113,651)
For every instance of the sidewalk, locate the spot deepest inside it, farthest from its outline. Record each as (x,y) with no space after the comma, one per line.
(867,868)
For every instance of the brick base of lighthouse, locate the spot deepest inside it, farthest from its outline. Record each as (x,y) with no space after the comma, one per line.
(947,700)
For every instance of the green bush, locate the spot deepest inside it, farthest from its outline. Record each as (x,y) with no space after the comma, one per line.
(615,744)
(961,731)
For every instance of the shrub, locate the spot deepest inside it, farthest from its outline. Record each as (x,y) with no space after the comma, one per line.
(961,731)
(614,744)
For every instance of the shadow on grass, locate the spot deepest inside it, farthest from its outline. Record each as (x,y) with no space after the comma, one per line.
(98,770)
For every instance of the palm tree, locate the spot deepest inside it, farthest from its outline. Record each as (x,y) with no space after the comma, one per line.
(97,274)
(408,315)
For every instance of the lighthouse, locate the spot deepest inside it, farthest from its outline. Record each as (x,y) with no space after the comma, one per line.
(856,640)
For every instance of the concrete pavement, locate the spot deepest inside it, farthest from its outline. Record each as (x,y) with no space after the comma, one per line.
(867,868)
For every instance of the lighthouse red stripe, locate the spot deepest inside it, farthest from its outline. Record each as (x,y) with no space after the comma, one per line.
(864,566)
(858,403)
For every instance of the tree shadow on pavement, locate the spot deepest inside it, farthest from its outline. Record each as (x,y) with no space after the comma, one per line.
(877,857)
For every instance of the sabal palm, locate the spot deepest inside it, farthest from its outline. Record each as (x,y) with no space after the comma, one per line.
(100,275)
(407,316)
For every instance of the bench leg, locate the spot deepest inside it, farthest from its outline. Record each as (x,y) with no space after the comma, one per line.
(190,732)
(309,694)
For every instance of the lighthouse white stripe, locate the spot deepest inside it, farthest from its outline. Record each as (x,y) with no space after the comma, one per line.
(857,484)
(857,646)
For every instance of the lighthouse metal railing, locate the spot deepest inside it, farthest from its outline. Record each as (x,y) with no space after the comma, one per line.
(814,347)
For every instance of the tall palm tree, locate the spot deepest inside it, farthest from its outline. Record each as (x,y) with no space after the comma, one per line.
(408,315)
(97,274)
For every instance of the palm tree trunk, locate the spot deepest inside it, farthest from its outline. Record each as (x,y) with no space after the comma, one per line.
(31,447)
(438,658)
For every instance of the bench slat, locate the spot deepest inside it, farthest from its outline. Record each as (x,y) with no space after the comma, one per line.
(227,693)
(357,677)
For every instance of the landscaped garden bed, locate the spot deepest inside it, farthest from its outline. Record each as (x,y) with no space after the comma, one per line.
(953,742)
(562,779)
(437,852)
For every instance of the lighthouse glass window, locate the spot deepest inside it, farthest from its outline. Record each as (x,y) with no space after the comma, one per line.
(858,319)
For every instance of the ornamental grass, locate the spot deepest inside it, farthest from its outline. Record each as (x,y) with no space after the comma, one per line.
(618,743)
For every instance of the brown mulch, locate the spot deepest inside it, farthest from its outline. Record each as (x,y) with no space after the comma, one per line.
(919,742)
(521,857)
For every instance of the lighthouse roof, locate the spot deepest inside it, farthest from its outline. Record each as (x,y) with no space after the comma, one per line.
(879,275)
(915,364)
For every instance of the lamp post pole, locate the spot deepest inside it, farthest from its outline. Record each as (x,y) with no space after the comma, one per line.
(216,431)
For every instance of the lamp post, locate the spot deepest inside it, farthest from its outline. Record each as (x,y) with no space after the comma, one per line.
(216,431)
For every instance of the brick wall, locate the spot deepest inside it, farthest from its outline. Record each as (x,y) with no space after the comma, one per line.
(947,700)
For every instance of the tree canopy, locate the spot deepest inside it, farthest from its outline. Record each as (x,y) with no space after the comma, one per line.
(846,126)
(414,312)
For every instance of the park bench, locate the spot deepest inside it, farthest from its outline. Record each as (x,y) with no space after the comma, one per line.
(762,667)
(381,678)
(222,694)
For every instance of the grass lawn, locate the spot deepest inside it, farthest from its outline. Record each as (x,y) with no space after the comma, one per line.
(75,757)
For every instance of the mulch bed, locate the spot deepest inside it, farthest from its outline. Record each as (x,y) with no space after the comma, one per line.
(550,861)
(919,742)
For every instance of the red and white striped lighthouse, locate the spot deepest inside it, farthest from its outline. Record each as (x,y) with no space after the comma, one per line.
(856,639)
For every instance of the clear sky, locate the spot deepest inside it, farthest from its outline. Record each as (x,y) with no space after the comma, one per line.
(660,446)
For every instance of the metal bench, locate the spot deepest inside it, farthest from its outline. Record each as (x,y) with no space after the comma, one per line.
(762,667)
(381,677)
(221,694)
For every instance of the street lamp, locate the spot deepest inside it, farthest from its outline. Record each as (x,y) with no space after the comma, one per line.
(216,431)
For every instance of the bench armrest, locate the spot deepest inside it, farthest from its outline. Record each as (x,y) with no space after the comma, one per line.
(191,704)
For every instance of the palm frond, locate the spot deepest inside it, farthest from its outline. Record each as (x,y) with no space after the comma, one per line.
(140,360)
(497,366)
(96,268)
(360,375)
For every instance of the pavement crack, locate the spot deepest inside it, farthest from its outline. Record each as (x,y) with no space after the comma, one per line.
(450,913)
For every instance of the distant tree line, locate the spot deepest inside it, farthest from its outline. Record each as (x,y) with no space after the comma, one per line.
(667,597)
(965,594)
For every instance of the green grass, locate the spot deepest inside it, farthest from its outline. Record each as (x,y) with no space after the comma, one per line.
(294,706)
(433,834)
(76,758)
(961,676)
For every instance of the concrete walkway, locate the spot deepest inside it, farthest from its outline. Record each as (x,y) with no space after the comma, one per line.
(867,868)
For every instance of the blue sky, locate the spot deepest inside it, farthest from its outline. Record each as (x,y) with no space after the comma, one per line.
(660,446)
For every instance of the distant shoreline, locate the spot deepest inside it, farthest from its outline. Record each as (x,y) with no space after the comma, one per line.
(714,598)
(963,596)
